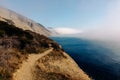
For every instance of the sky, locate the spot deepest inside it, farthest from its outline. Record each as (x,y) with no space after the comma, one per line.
(60,13)
(66,16)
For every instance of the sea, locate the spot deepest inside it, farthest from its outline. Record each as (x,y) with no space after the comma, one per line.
(96,58)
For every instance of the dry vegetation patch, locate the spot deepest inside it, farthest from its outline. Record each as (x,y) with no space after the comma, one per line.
(15,46)
(58,66)
(10,60)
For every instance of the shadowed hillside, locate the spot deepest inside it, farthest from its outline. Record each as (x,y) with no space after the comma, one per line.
(13,37)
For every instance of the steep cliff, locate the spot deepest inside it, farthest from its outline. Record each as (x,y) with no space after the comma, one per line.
(26,55)
(22,22)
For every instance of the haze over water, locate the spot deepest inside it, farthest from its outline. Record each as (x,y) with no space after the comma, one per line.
(97,59)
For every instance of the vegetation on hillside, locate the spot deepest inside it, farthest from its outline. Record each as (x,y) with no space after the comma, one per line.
(13,37)
(58,66)
(16,44)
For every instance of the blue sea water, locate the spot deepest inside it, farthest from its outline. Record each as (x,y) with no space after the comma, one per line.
(97,60)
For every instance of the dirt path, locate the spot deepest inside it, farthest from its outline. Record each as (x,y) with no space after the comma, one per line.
(26,70)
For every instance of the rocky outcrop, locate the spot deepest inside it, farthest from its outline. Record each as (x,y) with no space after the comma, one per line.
(22,22)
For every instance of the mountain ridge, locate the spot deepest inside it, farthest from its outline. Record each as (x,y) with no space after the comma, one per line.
(23,22)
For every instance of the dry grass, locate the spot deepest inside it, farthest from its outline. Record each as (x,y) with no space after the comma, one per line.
(16,44)
(10,60)
(58,66)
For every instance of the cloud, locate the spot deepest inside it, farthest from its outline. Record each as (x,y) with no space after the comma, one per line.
(62,30)
(109,29)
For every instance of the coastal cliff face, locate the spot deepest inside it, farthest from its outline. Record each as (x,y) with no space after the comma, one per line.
(22,22)
(26,55)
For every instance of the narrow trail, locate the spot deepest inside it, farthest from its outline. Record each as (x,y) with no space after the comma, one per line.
(26,70)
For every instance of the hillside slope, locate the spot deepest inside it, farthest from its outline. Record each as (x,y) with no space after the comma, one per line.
(17,46)
(26,70)
(22,22)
